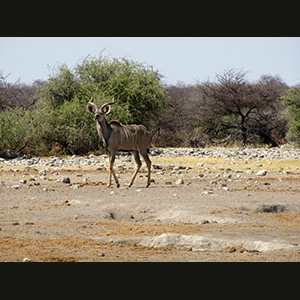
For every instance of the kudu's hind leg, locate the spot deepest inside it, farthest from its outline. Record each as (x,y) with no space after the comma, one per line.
(148,162)
(111,170)
(138,165)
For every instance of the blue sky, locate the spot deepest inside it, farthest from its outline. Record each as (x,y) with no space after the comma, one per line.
(185,59)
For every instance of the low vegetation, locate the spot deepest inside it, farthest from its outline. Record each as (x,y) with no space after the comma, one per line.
(49,117)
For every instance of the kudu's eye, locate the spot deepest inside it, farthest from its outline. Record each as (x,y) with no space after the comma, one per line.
(96,117)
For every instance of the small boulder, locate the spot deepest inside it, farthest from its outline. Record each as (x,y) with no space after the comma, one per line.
(65,179)
(271,208)
(262,173)
(180,181)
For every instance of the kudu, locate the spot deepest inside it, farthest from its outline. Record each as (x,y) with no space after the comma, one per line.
(117,137)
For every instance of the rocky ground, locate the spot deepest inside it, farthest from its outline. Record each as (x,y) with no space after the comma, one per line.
(210,204)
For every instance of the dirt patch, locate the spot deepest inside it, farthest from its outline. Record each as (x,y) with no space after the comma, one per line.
(217,212)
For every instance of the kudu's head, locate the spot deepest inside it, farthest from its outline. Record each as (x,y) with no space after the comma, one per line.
(104,109)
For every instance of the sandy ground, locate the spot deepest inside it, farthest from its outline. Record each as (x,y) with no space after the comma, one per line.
(222,211)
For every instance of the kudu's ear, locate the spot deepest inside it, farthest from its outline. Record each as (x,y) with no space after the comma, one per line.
(106,109)
(91,108)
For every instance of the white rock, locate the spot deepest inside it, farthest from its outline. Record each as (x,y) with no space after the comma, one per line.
(180,181)
(74,201)
(26,259)
(262,173)
(16,187)
(160,173)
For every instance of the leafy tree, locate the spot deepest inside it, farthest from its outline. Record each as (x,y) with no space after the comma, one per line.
(61,86)
(142,96)
(292,99)
(15,129)
(59,122)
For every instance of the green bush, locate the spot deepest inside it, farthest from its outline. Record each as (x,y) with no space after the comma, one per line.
(292,99)
(59,122)
(142,94)
(15,129)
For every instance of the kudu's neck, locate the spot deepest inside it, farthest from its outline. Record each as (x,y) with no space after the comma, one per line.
(104,130)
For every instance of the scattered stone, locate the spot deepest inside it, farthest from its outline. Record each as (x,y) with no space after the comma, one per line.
(200,164)
(23,181)
(230,250)
(16,187)
(26,259)
(262,173)
(157,167)
(65,179)
(271,208)
(156,152)
(207,193)
(74,201)
(43,173)
(77,186)
(180,181)
(204,222)
(286,152)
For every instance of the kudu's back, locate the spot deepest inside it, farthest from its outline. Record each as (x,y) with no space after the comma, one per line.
(130,137)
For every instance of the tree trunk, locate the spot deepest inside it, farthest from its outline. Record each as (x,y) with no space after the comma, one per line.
(268,139)
(244,129)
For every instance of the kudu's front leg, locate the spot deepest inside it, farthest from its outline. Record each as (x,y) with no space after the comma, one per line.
(111,170)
